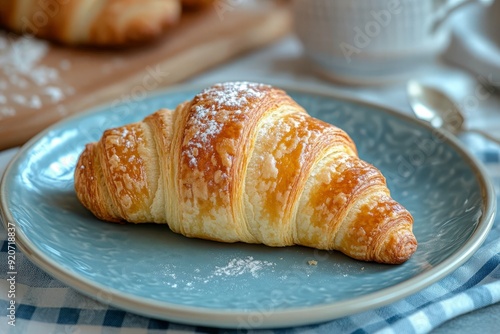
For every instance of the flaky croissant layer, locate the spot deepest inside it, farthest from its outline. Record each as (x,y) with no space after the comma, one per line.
(244,162)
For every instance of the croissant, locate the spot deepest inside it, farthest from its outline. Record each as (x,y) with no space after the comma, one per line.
(196,4)
(244,162)
(90,22)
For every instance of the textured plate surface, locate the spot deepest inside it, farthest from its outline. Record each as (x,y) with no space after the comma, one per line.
(149,270)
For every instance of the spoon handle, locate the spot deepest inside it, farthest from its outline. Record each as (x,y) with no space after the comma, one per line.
(486,135)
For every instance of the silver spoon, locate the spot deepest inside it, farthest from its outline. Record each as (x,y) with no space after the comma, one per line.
(433,106)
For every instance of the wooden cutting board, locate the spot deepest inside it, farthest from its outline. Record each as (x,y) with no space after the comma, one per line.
(41,83)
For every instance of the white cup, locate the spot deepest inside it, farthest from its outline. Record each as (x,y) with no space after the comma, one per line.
(372,41)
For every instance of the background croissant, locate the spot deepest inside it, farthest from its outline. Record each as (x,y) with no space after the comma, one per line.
(91,22)
(244,162)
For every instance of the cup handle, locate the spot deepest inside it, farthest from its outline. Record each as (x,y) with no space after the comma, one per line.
(449,6)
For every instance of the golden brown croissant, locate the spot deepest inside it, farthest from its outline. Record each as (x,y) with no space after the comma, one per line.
(196,4)
(90,22)
(244,162)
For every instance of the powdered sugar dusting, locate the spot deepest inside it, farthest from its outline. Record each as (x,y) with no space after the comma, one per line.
(214,108)
(27,82)
(178,277)
(210,125)
(234,94)
(237,267)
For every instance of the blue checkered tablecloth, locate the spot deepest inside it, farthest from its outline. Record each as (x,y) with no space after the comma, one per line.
(45,305)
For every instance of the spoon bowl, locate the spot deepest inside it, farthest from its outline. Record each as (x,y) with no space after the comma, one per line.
(435,107)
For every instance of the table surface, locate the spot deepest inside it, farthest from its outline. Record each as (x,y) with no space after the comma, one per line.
(283,63)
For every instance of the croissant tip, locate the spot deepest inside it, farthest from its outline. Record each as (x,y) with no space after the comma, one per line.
(399,247)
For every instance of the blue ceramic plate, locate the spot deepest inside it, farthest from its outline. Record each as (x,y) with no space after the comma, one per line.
(149,270)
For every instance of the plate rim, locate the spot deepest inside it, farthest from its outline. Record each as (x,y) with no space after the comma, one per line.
(230,318)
